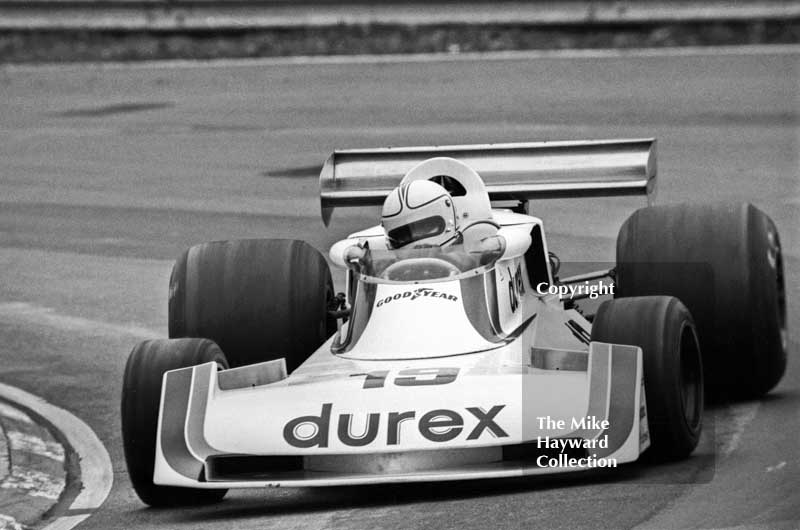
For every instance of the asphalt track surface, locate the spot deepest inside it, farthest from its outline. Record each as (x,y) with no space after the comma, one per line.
(106,174)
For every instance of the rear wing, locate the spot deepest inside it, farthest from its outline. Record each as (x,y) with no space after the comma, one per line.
(519,171)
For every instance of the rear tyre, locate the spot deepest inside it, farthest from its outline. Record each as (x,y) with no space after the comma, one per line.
(258,299)
(724,262)
(673,373)
(141,397)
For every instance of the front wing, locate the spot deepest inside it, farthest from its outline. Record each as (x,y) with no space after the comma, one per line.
(614,399)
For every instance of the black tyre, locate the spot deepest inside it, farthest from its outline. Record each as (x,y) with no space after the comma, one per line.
(673,372)
(724,262)
(141,396)
(258,299)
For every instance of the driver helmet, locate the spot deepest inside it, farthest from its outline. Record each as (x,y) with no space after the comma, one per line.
(419,212)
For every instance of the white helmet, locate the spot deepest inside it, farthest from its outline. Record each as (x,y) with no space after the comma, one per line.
(419,211)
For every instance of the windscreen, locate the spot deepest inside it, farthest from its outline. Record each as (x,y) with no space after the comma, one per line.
(428,264)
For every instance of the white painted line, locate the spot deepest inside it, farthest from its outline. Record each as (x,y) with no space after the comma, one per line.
(96,473)
(15,311)
(511,55)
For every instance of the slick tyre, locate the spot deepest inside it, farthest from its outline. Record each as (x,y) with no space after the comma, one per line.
(724,262)
(258,299)
(673,373)
(141,396)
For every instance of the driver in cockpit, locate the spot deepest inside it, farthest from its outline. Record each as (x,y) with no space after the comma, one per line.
(419,213)
(422,214)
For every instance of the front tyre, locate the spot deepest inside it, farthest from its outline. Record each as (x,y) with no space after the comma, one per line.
(141,397)
(673,374)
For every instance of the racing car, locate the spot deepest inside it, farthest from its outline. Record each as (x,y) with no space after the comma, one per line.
(454,362)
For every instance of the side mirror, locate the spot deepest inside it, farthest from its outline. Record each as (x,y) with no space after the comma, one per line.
(516,240)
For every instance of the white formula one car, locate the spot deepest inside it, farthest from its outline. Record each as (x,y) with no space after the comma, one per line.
(453,362)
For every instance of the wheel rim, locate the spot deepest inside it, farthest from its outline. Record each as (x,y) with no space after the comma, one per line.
(691,379)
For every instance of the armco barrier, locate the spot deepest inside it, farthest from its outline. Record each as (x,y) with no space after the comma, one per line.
(190,15)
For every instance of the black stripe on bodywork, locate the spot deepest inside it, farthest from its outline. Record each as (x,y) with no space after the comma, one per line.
(520,329)
(174,410)
(195,423)
(621,360)
(577,330)
(183,442)
(623,397)
(600,365)
(620,395)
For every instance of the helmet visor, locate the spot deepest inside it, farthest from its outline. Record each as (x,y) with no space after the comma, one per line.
(422,229)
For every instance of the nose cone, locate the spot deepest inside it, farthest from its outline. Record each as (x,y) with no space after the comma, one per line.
(414,321)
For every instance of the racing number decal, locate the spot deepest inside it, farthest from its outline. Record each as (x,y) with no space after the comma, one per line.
(516,288)
(373,379)
(426,376)
(410,377)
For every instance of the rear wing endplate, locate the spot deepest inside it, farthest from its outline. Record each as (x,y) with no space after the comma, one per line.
(519,171)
